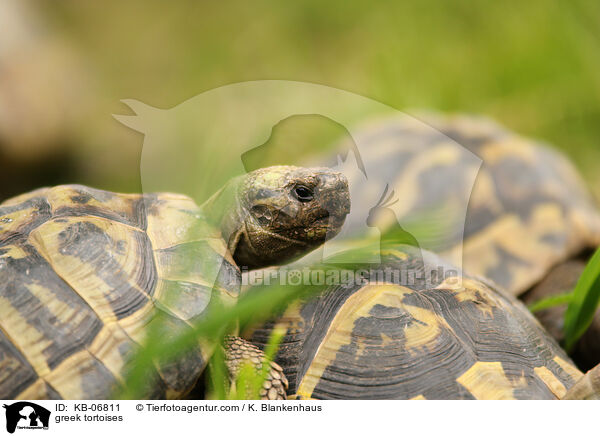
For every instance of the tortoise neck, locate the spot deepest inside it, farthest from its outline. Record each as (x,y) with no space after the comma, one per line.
(225,211)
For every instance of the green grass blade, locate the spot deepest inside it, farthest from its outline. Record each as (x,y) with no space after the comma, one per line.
(247,384)
(218,380)
(271,349)
(249,381)
(552,301)
(583,305)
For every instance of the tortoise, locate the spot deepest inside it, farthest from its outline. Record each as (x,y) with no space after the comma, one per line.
(441,334)
(530,221)
(84,273)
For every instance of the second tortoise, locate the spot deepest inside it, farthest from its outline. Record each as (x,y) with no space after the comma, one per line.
(525,218)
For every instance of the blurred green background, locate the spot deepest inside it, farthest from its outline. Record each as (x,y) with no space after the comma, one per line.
(65,65)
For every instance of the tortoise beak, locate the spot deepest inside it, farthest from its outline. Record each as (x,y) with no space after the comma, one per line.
(336,198)
(336,193)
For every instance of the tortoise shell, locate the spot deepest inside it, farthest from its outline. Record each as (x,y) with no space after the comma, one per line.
(527,211)
(449,336)
(82,274)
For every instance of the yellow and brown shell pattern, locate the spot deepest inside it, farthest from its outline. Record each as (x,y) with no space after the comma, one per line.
(527,211)
(413,339)
(83,272)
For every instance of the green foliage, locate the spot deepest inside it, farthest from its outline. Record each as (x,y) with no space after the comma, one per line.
(584,302)
(552,301)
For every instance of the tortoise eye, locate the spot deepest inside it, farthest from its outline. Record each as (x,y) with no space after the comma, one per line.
(303,193)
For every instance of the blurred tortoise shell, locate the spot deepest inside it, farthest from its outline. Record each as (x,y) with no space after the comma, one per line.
(82,274)
(528,209)
(446,339)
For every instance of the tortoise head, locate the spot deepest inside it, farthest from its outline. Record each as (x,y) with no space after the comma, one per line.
(281,213)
